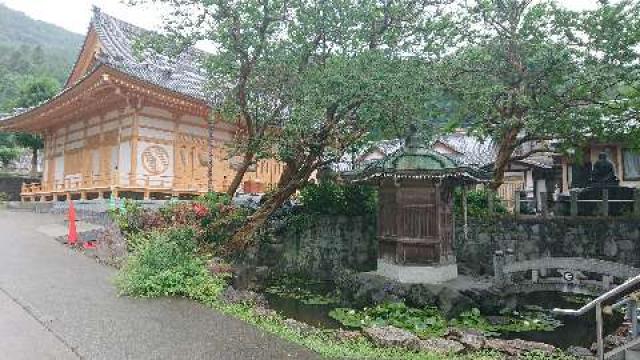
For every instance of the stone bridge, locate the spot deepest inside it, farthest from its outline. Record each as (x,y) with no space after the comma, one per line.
(564,274)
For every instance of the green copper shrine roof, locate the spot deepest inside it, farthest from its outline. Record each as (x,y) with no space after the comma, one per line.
(417,161)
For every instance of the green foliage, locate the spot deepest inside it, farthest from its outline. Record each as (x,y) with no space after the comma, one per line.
(31,92)
(329,75)
(533,71)
(213,217)
(329,198)
(8,153)
(477,204)
(324,341)
(425,322)
(128,217)
(31,49)
(168,265)
(429,322)
(517,321)
(222,218)
(4,196)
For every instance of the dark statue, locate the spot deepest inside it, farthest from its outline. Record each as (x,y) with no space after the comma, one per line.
(603,172)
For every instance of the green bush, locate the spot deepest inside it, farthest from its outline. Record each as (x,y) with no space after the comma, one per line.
(219,217)
(329,198)
(168,265)
(477,203)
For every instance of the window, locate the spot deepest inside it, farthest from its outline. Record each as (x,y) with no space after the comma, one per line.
(631,160)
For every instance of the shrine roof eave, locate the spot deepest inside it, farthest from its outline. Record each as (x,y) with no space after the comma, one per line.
(456,176)
(34,119)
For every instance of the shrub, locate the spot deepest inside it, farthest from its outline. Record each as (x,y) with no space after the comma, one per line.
(478,203)
(219,217)
(168,265)
(329,198)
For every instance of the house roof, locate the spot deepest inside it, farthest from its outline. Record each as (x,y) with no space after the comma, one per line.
(182,73)
(470,150)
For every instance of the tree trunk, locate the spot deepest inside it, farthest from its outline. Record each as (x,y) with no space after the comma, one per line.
(507,146)
(241,238)
(34,161)
(237,179)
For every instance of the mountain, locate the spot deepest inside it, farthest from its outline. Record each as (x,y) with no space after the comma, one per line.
(31,48)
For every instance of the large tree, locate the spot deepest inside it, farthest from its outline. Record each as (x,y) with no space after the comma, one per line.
(310,79)
(531,71)
(33,92)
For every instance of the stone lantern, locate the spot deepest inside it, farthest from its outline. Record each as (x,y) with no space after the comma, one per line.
(415,211)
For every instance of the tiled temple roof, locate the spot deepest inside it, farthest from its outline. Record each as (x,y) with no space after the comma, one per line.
(182,73)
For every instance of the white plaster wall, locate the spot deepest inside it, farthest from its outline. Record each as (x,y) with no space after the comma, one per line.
(125,162)
(59,168)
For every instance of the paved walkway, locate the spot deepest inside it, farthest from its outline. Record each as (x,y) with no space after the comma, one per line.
(58,304)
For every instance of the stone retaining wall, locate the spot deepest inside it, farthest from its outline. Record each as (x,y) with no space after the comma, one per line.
(611,239)
(12,185)
(322,246)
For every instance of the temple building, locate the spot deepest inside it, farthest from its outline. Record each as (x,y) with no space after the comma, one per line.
(132,125)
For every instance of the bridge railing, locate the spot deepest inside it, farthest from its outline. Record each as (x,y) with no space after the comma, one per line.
(623,295)
(576,274)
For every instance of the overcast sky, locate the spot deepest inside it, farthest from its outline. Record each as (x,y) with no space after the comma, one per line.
(74,15)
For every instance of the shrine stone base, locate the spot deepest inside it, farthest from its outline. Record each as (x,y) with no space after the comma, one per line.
(417,274)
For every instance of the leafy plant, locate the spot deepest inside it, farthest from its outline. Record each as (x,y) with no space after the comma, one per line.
(168,265)
(478,203)
(516,321)
(222,218)
(430,322)
(329,198)
(425,322)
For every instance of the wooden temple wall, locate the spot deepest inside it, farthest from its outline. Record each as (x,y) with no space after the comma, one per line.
(141,149)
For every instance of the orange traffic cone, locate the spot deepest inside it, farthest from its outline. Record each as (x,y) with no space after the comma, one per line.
(73,233)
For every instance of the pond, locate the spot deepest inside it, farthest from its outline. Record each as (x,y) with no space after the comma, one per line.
(316,315)
(574,331)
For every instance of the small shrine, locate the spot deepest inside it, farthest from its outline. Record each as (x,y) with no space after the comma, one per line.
(415,211)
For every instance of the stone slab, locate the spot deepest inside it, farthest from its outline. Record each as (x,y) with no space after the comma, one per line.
(417,274)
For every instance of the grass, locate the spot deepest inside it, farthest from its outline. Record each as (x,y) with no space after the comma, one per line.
(168,264)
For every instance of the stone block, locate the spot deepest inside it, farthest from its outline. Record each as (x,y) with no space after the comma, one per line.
(390,336)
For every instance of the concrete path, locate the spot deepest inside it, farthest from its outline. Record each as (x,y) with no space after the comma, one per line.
(59,304)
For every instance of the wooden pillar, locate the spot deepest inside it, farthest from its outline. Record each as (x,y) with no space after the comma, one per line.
(516,199)
(135,134)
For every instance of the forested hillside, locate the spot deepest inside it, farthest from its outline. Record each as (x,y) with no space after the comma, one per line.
(32,49)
